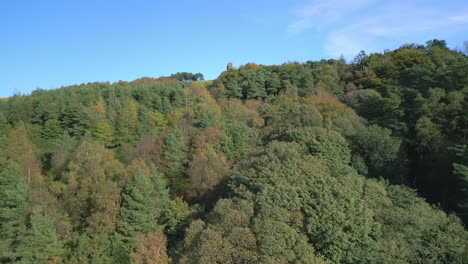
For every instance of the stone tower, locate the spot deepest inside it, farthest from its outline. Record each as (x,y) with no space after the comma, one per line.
(229,66)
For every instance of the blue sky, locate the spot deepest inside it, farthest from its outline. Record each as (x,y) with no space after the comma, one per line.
(48,44)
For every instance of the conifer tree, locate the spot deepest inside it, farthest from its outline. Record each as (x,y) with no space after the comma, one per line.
(52,129)
(232,89)
(14,195)
(175,154)
(39,243)
(139,211)
(161,192)
(144,208)
(460,170)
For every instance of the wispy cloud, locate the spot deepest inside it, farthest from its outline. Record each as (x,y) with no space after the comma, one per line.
(319,13)
(459,19)
(352,25)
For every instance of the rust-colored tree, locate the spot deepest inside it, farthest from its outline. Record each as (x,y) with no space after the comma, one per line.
(151,249)
(207,167)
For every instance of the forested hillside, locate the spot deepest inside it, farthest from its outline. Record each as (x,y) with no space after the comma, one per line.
(316,162)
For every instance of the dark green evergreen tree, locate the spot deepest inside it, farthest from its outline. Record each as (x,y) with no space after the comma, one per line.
(14,196)
(176,156)
(139,211)
(39,243)
(460,170)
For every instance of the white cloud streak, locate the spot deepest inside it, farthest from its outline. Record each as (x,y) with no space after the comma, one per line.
(353,25)
(319,13)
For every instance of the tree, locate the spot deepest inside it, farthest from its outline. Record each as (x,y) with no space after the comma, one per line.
(207,168)
(226,238)
(284,114)
(253,84)
(127,122)
(100,127)
(52,129)
(175,154)
(39,243)
(103,133)
(14,196)
(157,121)
(187,76)
(378,147)
(97,112)
(175,217)
(460,170)
(323,144)
(139,211)
(94,248)
(429,134)
(19,149)
(151,249)
(92,191)
(73,118)
(414,231)
(288,185)
(232,89)
(360,58)
(436,43)
(273,84)
(237,140)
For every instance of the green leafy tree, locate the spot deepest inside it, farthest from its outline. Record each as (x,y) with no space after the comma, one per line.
(175,217)
(377,147)
(126,127)
(157,121)
(103,133)
(91,249)
(284,114)
(414,231)
(187,76)
(429,134)
(92,188)
(225,239)
(289,186)
(237,140)
(20,149)
(324,144)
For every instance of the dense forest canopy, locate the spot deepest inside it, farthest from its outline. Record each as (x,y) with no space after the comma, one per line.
(317,162)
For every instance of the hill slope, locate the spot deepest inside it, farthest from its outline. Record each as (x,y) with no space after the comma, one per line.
(294,163)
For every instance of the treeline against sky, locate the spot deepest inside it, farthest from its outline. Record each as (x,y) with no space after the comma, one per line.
(316,162)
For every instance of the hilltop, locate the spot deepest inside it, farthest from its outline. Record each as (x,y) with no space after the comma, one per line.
(315,162)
